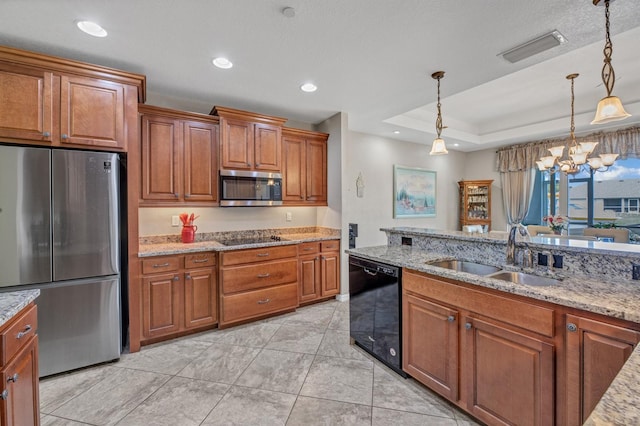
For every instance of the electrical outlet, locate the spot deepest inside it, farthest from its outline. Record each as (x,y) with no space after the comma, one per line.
(635,274)
(289,216)
(175,221)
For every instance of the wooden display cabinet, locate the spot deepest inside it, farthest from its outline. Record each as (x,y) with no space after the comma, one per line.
(475,203)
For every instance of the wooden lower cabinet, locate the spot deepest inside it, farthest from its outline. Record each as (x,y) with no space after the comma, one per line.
(179,293)
(479,350)
(19,390)
(257,282)
(319,270)
(595,352)
(510,375)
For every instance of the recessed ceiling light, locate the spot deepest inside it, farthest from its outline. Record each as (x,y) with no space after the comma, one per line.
(92,28)
(289,12)
(397,132)
(309,87)
(223,63)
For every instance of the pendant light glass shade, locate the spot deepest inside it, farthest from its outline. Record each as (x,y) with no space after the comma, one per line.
(438,147)
(610,109)
(608,159)
(557,151)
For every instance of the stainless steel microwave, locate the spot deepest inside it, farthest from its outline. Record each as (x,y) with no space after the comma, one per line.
(250,188)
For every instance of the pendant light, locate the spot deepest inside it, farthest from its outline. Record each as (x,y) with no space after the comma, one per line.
(438,147)
(576,153)
(610,107)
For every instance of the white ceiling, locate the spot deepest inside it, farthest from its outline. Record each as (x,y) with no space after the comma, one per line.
(372,59)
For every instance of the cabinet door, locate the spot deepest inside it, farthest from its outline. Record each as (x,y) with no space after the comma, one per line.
(430,344)
(267,140)
(26,103)
(200,298)
(92,112)
(161,304)
(161,158)
(510,375)
(310,275)
(236,144)
(20,381)
(316,157)
(330,273)
(596,352)
(200,162)
(293,169)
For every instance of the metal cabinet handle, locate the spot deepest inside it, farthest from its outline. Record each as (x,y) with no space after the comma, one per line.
(262,254)
(4,395)
(263,301)
(307,249)
(188,276)
(263,275)
(468,326)
(187,195)
(13,378)
(161,265)
(317,258)
(572,327)
(451,318)
(200,260)
(65,136)
(176,278)
(46,134)
(257,164)
(176,195)
(301,197)
(249,164)
(26,330)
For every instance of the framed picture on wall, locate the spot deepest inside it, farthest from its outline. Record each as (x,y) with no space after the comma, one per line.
(414,192)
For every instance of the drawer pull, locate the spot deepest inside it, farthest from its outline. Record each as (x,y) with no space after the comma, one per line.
(26,330)
(4,395)
(161,265)
(264,301)
(262,254)
(13,378)
(263,275)
(307,249)
(201,260)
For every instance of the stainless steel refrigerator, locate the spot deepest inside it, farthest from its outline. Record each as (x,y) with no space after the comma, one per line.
(59,232)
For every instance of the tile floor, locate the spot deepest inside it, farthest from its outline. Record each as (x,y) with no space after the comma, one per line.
(294,369)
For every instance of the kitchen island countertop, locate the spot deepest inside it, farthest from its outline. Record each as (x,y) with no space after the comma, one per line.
(13,302)
(620,300)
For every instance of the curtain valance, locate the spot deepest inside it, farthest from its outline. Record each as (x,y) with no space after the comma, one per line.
(625,142)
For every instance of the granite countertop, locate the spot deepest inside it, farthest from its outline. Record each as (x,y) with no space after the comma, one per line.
(620,300)
(167,248)
(13,302)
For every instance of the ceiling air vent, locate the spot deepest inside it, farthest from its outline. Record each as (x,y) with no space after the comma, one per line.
(535,46)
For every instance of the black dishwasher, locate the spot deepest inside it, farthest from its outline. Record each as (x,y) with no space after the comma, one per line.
(375,310)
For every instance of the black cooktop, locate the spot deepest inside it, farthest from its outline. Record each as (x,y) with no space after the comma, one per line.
(255,240)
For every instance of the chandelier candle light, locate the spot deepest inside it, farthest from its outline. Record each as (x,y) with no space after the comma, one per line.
(576,153)
(610,107)
(438,147)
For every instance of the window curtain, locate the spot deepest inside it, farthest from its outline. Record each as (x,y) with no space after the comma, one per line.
(625,142)
(517,190)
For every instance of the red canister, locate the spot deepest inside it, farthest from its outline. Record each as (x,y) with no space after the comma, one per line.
(189,233)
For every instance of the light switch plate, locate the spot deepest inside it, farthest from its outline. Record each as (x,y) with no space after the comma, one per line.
(289,216)
(175,221)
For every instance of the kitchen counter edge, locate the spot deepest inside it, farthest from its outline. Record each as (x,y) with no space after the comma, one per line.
(13,302)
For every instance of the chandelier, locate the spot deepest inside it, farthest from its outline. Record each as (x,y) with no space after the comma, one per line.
(577,154)
(610,107)
(438,147)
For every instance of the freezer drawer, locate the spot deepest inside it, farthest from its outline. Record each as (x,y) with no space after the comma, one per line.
(78,324)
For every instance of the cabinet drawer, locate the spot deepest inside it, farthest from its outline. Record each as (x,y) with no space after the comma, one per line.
(242,306)
(520,314)
(258,255)
(199,260)
(262,275)
(333,245)
(18,333)
(160,264)
(308,248)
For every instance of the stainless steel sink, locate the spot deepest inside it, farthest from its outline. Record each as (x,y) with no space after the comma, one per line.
(465,266)
(522,278)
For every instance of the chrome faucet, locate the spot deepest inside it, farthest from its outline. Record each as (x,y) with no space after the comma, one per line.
(511,242)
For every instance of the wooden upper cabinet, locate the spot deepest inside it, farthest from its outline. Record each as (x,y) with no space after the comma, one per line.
(26,103)
(92,112)
(249,141)
(179,157)
(60,102)
(596,351)
(304,164)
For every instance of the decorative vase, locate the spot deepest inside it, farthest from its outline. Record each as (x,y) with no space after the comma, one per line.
(189,233)
(557,231)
